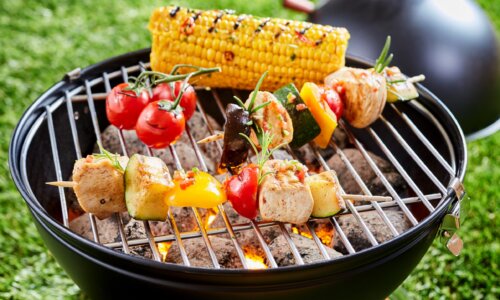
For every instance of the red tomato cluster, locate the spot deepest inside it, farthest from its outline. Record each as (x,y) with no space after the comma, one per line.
(155,118)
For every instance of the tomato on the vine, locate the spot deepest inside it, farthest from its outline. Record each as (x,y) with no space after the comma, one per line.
(160,124)
(334,100)
(124,106)
(241,191)
(163,91)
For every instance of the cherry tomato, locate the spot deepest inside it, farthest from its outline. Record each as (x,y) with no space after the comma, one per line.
(333,99)
(123,107)
(163,91)
(159,125)
(241,191)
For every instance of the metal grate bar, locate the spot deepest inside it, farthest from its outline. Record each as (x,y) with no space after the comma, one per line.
(93,113)
(152,243)
(57,166)
(418,106)
(72,125)
(318,242)
(118,216)
(401,170)
(342,235)
(316,239)
(178,239)
(123,237)
(124,74)
(351,207)
(147,229)
(415,157)
(175,228)
(216,96)
(381,176)
(220,207)
(78,151)
(267,251)
(424,140)
(201,227)
(295,251)
(360,183)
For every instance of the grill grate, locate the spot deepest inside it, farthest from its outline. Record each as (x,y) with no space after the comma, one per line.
(85,93)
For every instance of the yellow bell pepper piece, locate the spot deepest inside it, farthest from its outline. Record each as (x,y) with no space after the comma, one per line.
(321,112)
(196,188)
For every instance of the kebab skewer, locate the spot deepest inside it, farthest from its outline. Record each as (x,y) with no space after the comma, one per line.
(280,191)
(109,183)
(359,95)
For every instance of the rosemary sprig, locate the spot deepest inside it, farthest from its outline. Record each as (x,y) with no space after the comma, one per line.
(251,109)
(239,102)
(265,139)
(383,60)
(255,109)
(255,91)
(113,158)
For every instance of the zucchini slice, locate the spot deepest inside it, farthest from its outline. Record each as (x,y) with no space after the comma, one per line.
(325,191)
(146,187)
(400,89)
(305,127)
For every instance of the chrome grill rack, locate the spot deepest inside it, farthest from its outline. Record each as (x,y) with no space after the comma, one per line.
(384,137)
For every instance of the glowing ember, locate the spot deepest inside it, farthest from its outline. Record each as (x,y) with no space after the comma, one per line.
(163,249)
(211,215)
(324,233)
(302,233)
(253,259)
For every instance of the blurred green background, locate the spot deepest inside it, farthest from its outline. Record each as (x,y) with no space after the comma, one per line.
(42,40)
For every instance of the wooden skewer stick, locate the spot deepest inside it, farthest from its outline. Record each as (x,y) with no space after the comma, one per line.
(212,138)
(366,198)
(417,78)
(71,184)
(67,184)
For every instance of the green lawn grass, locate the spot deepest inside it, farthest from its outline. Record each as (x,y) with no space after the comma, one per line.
(42,40)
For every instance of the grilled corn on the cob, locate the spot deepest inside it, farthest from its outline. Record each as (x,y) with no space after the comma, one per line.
(245,46)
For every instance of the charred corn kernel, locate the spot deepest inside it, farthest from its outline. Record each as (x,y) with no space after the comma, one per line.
(249,45)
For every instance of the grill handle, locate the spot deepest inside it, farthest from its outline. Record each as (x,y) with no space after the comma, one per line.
(451,221)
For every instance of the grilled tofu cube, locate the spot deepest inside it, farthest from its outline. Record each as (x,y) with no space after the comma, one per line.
(283,194)
(325,191)
(99,185)
(146,188)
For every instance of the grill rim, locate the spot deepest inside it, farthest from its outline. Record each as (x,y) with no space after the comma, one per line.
(34,111)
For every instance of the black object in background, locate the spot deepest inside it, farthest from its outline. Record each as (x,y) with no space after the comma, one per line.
(450,41)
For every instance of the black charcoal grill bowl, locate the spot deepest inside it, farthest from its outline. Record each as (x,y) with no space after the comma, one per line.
(104,273)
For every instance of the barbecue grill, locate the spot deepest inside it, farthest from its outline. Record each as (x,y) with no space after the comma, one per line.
(421,139)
